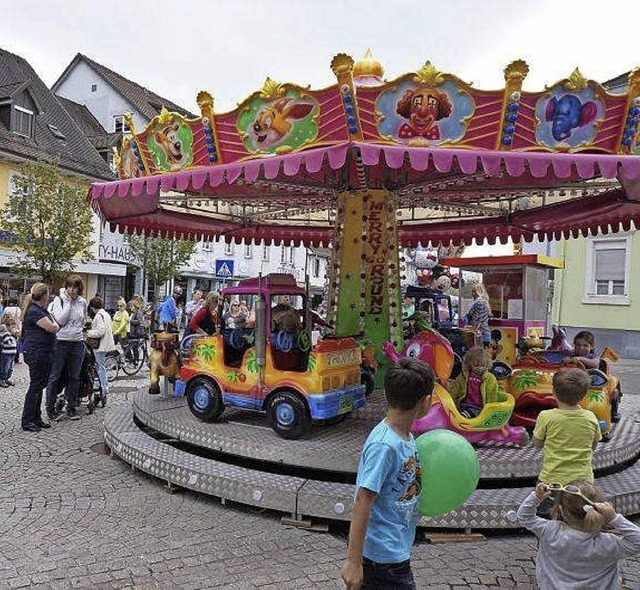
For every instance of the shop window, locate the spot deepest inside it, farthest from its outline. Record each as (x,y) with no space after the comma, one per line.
(607,270)
(247,251)
(292,255)
(315,268)
(265,253)
(283,254)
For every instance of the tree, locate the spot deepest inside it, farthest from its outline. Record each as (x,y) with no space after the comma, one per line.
(161,258)
(49,220)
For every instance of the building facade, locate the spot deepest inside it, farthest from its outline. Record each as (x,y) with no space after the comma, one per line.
(35,126)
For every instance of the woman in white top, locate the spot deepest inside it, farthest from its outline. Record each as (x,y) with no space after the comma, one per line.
(101,328)
(69,310)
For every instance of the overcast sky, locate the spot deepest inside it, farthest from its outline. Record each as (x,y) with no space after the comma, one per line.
(229,46)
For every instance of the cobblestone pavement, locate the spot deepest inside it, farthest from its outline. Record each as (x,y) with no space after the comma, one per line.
(74,518)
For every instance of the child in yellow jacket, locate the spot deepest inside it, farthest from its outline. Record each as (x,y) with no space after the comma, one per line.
(475,386)
(120,324)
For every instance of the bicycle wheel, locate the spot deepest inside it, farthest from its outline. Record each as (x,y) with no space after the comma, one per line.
(129,363)
(112,367)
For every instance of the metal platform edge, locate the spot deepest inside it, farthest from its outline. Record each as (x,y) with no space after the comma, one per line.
(485,509)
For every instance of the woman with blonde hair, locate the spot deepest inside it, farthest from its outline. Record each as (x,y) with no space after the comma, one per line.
(39,338)
(479,313)
(205,321)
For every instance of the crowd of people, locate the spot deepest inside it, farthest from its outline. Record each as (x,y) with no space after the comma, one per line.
(53,332)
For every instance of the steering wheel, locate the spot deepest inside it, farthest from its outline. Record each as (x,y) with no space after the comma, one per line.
(284,341)
(304,341)
(573,362)
(237,339)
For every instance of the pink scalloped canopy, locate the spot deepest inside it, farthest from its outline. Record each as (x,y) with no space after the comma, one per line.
(442,194)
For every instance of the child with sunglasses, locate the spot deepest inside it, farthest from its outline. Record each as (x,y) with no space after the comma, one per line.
(582,546)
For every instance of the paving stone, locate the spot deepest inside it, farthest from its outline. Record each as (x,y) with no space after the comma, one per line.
(72,518)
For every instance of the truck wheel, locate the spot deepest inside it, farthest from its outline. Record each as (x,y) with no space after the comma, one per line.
(288,415)
(204,399)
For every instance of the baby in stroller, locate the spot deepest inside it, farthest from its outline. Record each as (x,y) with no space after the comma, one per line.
(90,390)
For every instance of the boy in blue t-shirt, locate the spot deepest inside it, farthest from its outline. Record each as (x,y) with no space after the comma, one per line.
(383,524)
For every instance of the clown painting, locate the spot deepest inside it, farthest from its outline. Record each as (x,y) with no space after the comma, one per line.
(428,109)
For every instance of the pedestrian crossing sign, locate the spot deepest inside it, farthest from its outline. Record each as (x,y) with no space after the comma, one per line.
(224,269)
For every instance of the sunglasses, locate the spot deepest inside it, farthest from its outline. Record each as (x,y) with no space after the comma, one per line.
(570,489)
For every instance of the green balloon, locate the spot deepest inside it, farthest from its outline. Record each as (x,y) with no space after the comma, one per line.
(450,471)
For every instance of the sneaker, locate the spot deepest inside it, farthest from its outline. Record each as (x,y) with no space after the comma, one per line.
(73,416)
(52,415)
(3,383)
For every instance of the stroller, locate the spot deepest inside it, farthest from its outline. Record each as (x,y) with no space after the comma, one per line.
(89,389)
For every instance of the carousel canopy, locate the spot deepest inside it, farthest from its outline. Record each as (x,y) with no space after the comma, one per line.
(461,164)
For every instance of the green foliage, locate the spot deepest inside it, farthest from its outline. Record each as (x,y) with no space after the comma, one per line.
(50,217)
(252,363)
(525,379)
(206,351)
(161,258)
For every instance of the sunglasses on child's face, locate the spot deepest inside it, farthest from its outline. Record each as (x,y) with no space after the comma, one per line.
(570,489)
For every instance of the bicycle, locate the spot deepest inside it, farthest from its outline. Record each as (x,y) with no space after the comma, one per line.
(131,357)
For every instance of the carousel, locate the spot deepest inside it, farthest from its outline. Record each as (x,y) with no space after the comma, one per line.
(367,167)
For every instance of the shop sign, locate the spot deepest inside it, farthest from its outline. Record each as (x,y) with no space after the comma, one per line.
(117,253)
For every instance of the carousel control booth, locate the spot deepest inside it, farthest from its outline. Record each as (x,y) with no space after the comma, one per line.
(520,291)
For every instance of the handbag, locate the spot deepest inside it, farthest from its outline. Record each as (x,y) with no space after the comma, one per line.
(92,342)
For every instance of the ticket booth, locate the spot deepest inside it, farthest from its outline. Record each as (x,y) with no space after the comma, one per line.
(519,296)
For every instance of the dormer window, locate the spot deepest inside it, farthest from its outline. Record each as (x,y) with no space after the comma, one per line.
(120,124)
(22,121)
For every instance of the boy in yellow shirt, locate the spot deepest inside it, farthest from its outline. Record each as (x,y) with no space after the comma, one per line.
(567,434)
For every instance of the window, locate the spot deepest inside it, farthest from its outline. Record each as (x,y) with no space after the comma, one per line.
(94,87)
(292,255)
(607,270)
(228,248)
(206,246)
(315,268)
(247,250)
(22,121)
(265,253)
(120,124)
(283,254)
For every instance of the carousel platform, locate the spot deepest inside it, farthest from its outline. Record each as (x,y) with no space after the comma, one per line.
(243,460)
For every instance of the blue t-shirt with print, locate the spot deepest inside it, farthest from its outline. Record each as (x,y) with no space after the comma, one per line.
(390,467)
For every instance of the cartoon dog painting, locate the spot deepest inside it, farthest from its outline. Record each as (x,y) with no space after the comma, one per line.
(567,114)
(171,144)
(275,120)
(422,106)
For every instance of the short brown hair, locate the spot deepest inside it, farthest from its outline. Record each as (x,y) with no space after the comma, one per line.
(407,382)
(570,385)
(75,281)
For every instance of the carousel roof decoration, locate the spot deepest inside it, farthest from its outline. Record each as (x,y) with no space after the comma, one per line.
(461,163)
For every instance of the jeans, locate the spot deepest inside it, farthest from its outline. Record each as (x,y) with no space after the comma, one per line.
(385,576)
(39,363)
(102,371)
(6,366)
(67,363)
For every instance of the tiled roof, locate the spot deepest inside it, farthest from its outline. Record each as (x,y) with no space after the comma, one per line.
(90,126)
(75,152)
(143,100)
